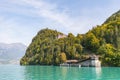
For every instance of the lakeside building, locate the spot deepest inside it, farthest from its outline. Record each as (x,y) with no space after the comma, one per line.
(92,61)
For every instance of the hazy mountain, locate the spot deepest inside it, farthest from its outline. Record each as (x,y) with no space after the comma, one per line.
(11,52)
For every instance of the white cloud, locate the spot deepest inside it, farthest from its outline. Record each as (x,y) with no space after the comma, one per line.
(50,12)
(12,32)
(5,30)
(80,24)
(45,10)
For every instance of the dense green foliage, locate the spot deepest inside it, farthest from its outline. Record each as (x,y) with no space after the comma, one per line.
(47,48)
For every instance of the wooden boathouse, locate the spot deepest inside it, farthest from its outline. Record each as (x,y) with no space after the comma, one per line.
(92,61)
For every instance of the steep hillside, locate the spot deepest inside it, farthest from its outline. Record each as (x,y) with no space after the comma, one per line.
(50,47)
(108,36)
(109,31)
(113,18)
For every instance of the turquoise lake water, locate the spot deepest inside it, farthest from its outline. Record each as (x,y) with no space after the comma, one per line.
(16,72)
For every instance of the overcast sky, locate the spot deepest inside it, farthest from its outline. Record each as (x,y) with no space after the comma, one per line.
(20,20)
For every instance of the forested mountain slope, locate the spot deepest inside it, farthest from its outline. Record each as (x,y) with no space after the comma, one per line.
(50,47)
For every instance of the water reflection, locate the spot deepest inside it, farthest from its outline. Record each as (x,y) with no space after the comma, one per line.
(50,73)
(60,73)
(72,73)
(38,72)
(16,72)
(98,72)
(64,72)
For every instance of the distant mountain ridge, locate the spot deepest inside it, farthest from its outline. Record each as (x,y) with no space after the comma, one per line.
(13,51)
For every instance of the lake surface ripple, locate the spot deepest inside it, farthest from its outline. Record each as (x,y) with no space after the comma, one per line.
(16,72)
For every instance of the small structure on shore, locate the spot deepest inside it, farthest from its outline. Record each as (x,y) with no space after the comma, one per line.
(71,63)
(92,61)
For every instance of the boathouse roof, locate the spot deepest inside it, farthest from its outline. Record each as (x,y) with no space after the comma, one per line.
(72,61)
